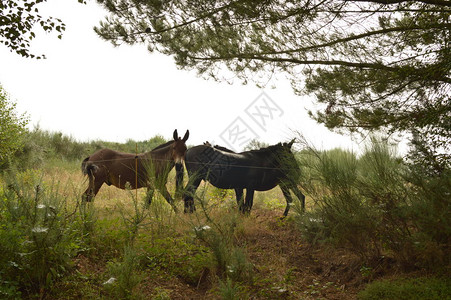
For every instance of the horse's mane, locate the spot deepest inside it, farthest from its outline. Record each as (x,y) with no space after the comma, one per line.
(256,151)
(207,143)
(223,149)
(266,149)
(162,145)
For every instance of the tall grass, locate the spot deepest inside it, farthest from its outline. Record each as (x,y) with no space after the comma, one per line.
(408,289)
(38,236)
(375,206)
(42,146)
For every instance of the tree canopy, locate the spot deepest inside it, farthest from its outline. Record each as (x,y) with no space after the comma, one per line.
(18,19)
(370,64)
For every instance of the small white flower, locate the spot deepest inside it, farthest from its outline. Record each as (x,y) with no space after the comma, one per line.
(14,264)
(314,220)
(40,206)
(39,229)
(110,281)
(202,228)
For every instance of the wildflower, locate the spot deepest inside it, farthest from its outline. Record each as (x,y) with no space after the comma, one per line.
(39,229)
(110,281)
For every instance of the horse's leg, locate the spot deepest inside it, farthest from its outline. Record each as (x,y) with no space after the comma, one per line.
(300,196)
(149,196)
(87,195)
(178,179)
(93,188)
(164,191)
(239,199)
(190,191)
(288,198)
(249,200)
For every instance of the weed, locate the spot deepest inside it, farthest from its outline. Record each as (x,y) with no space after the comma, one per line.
(408,289)
(374,205)
(161,294)
(124,276)
(367,272)
(229,290)
(134,219)
(176,257)
(38,235)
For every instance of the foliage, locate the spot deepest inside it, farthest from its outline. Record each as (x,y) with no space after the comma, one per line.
(255,145)
(17,25)
(176,256)
(375,205)
(40,146)
(426,158)
(12,128)
(229,290)
(37,234)
(231,261)
(408,289)
(215,252)
(370,64)
(125,276)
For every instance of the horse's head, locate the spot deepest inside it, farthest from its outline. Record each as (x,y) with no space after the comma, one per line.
(283,156)
(287,146)
(179,147)
(288,160)
(285,151)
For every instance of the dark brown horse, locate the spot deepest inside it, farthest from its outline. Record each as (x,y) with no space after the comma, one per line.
(119,169)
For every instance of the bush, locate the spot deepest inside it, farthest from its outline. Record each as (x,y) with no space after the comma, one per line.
(375,205)
(408,289)
(125,276)
(230,261)
(37,236)
(12,128)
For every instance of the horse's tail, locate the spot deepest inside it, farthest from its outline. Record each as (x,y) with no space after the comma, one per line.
(88,167)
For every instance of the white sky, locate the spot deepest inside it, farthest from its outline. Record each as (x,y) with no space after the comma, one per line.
(90,90)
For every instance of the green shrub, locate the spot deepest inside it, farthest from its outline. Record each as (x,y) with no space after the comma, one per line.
(408,289)
(176,257)
(375,205)
(229,290)
(124,276)
(219,236)
(38,236)
(12,128)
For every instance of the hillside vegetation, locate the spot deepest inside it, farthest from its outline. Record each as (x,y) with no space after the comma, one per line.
(375,228)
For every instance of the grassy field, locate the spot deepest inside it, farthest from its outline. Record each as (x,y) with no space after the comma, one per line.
(114,248)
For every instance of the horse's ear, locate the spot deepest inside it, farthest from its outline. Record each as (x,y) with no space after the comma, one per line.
(175,135)
(186,136)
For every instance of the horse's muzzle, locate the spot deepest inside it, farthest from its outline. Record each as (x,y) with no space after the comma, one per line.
(179,166)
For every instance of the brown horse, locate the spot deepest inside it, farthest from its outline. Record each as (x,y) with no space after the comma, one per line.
(119,169)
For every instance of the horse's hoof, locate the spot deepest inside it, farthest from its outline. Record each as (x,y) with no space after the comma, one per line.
(189,210)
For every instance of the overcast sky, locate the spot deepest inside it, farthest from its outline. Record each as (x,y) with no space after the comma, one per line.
(90,90)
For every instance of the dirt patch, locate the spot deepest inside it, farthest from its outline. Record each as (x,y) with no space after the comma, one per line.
(277,248)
